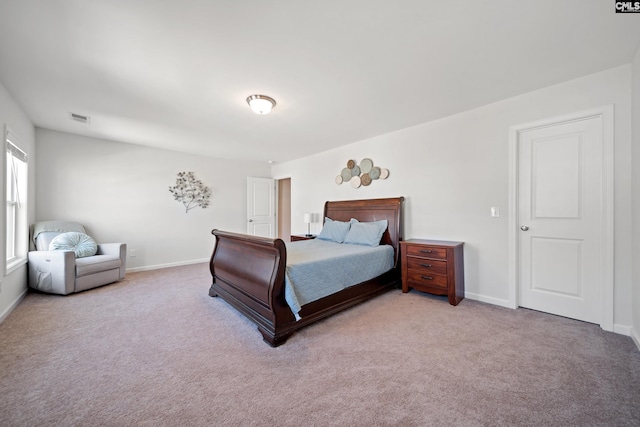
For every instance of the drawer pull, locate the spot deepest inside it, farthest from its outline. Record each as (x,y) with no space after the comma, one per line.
(426,251)
(426,265)
(427,277)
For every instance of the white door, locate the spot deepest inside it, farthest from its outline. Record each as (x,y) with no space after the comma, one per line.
(560,181)
(261,211)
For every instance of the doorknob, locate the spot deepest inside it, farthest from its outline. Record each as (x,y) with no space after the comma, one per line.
(524,228)
(250,220)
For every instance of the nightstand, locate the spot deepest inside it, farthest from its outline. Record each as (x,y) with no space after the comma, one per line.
(433,266)
(296,237)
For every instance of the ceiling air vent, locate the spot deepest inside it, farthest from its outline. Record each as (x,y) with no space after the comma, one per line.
(79,118)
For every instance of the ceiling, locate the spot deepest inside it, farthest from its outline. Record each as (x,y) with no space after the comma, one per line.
(176,74)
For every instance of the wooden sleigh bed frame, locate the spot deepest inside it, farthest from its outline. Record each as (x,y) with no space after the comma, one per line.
(249,272)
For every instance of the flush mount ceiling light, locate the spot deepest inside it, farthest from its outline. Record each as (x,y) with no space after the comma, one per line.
(261,104)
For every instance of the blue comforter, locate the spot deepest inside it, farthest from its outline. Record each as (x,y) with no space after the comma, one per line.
(318,268)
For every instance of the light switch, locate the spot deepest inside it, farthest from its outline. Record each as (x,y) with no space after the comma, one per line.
(495,212)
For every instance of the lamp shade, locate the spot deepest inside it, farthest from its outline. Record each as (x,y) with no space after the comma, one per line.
(307,218)
(261,104)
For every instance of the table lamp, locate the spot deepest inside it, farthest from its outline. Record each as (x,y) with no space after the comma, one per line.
(307,220)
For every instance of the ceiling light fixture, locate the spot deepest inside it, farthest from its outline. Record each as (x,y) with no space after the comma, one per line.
(261,104)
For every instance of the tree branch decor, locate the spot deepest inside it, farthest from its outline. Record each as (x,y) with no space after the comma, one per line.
(191,192)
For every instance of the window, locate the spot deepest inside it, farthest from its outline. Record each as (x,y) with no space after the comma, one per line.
(16,196)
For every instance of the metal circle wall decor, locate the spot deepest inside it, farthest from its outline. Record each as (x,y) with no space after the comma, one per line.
(374,173)
(366,165)
(346,174)
(361,175)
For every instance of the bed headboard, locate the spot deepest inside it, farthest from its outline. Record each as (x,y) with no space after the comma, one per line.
(371,210)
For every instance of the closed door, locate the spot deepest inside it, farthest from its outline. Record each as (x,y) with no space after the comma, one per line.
(261,212)
(560,180)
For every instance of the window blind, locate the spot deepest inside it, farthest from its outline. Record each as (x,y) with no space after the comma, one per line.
(14,154)
(13,149)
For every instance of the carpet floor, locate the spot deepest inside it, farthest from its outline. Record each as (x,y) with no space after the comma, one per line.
(156,350)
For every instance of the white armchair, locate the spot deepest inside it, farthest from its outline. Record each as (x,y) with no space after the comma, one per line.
(60,272)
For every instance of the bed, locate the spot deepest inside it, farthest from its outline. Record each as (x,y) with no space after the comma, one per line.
(249,272)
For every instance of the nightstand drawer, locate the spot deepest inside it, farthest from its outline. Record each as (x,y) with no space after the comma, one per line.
(423,278)
(427,265)
(427,252)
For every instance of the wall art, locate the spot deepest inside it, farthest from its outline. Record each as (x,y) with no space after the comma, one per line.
(362,174)
(189,191)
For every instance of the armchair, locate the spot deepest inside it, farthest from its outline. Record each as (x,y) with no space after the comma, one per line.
(60,272)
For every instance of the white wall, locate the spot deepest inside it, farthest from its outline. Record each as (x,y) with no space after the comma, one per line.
(452,171)
(636,198)
(14,285)
(120,192)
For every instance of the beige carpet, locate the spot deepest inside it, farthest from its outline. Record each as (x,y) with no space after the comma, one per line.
(156,350)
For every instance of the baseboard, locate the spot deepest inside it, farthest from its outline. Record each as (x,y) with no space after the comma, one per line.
(488,300)
(9,309)
(617,328)
(635,337)
(622,329)
(168,265)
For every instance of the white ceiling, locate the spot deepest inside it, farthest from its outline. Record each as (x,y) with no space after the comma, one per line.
(175,74)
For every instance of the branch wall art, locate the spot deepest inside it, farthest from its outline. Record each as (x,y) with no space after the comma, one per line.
(191,192)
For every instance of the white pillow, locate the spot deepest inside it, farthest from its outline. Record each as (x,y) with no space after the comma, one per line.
(79,243)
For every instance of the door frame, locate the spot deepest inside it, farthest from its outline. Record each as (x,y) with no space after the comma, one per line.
(606,113)
(277,203)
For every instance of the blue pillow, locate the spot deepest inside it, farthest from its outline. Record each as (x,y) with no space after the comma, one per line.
(366,233)
(79,243)
(334,231)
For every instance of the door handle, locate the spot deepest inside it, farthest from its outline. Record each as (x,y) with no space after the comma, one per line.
(250,220)
(524,228)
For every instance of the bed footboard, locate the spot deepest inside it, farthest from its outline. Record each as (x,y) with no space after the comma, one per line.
(248,272)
